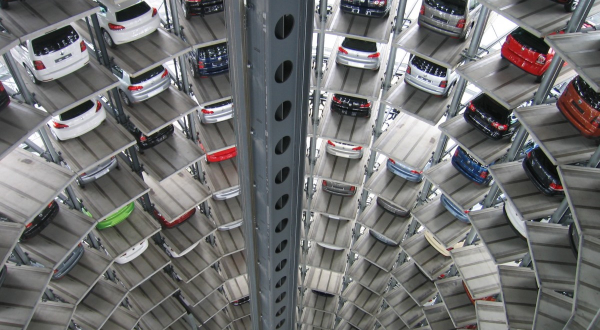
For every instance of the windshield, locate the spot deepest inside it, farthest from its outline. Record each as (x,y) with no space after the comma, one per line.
(452,7)
(54,41)
(132,12)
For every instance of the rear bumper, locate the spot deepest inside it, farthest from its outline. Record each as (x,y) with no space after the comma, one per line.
(371,64)
(41,75)
(364,11)
(43,223)
(529,67)
(424,86)
(484,127)
(439,27)
(454,210)
(99,172)
(572,115)
(404,172)
(340,191)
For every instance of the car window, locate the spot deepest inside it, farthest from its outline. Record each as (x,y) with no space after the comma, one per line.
(147,75)
(54,41)
(117,71)
(103,8)
(360,45)
(132,12)
(76,111)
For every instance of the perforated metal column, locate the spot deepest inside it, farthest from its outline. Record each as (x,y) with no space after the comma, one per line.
(270,62)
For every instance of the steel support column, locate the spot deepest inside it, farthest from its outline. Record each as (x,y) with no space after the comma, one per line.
(270,62)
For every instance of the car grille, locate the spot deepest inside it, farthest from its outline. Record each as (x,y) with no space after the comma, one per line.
(429,67)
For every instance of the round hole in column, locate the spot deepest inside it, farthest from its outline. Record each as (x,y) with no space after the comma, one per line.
(280,311)
(282,175)
(284,27)
(283,110)
(280,324)
(281,265)
(282,201)
(281,282)
(281,246)
(281,225)
(281,297)
(282,145)
(283,72)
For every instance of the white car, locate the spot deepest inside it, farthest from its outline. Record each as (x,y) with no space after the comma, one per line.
(182,253)
(231,225)
(132,253)
(78,120)
(126,21)
(53,55)
(345,150)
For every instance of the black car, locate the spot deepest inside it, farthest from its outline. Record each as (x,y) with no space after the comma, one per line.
(38,223)
(371,8)
(200,7)
(389,207)
(69,263)
(4,98)
(490,117)
(350,106)
(144,142)
(209,61)
(542,173)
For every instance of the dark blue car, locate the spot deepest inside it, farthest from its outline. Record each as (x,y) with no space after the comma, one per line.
(469,167)
(455,210)
(209,61)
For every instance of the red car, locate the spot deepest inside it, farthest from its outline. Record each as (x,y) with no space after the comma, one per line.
(581,105)
(528,52)
(221,155)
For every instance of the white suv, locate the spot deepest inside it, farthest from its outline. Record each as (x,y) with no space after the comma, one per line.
(126,21)
(53,55)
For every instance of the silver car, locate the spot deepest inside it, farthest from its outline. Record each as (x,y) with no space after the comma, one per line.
(97,172)
(358,54)
(430,77)
(454,18)
(133,89)
(344,150)
(338,188)
(216,112)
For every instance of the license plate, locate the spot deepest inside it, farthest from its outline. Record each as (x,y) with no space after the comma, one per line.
(424,79)
(153,93)
(440,19)
(100,174)
(63,58)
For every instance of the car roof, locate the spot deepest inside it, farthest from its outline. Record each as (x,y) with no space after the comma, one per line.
(117,5)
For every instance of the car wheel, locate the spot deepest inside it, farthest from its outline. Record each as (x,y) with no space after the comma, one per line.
(108,39)
(538,79)
(449,90)
(468,32)
(571,6)
(31,75)
(184,10)
(4,4)
(124,98)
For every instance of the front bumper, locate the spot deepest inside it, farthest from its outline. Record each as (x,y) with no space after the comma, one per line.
(389,207)
(485,127)
(439,27)
(144,94)
(404,172)
(457,212)
(69,264)
(128,35)
(424,86)
(343,152)
(529,67)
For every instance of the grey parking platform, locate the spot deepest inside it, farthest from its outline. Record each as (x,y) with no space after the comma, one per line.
(183,236)
(226,211)
(211,89)
(338,206)
(556,136)
(586,304)
(51,315)
(111,192)
(29,184)
(121,319)
(361,27)
(322,303)
(20,294)
(425,256)
(167,315)
(553,260)
(7,42)
(131,231)
(9,236)
(552,310)
(64,93)
(478,270)
(221,176)
(457,187)
(389,320)
(201,287)
(323,280)
(340,169)
(539,17)
(400,192)
(17,123)
(381,255)
(418,286)
(579,49)
(426,107)
(97,307)
(234,265)
(528,200)
(349,129)
(477,144)
(330,231)
(219,321)
(151,293)
(241,313)
(363,298)
(582,188)
(519,293)
(497,234)
(230,241)
(148,264)
(457,302)
(318,320)
(159,111)
(384,223)
(210,306)
(170,156)
(196,261)
(490,315)
(86,151)
(56,242)
(437,316)
(369,275)
(237,288)
(418,140)
(356,317)
(447,229)
(404,307)
(328,259)
(504,81)
(200,31)
(35,18)
(176,195)
(218,136)
(83,276)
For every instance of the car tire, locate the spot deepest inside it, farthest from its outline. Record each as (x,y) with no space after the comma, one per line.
(31,75)
(184,10)
(108,39)
(4,4)
(124,98)
(571,6)
(467,32)
(538,79)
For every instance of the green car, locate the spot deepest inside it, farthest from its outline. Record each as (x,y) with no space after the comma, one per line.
(117,217)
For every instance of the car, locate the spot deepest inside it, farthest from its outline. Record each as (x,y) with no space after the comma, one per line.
(226,193)
(97,172)
(382,238)
(404,171)
(134,89)
(338,188)
(350,106)
(145,142)
(490,117)
(528,52)
(370,8)
(70,262)
(516,222)
(454,18)
(330,246)
(221,155)
(241,301)
(429,77)
(126,21)
(4,97)
(391,208)
(231,225)
(569,5)
(116,217)
(216,112)
(360,54)
(345,150)
(3,273)
(209,61)
(542,173)
(439,246)
(132,253)
(52,55)
(191,8)
(580,104)
(77,120)
(172,224)
(174,254)
(455,210)
(41,221)
(470,167)
(573,239)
